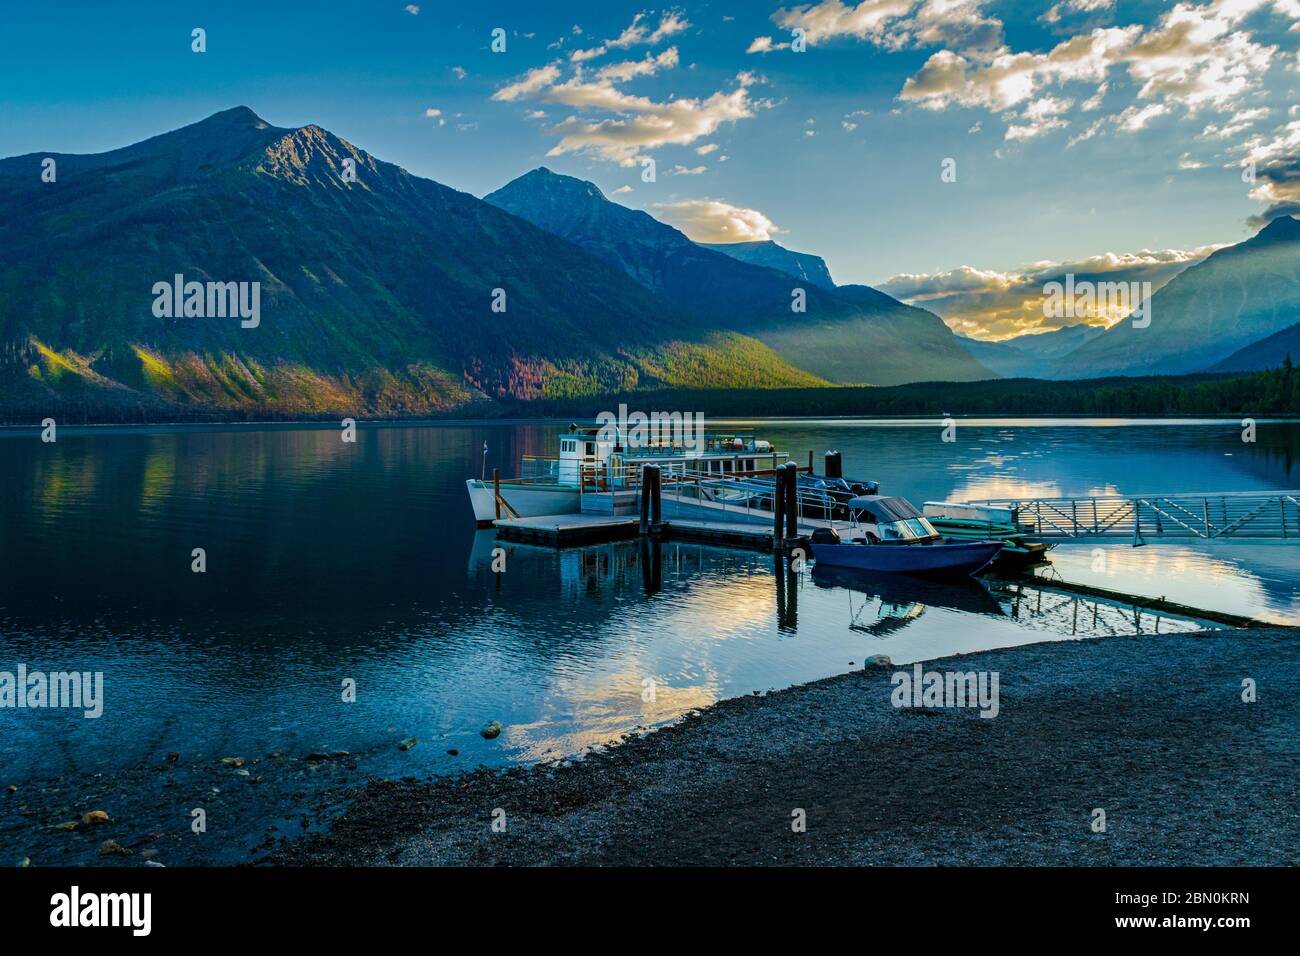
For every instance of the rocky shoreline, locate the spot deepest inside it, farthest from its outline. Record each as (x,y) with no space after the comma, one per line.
(1152,730)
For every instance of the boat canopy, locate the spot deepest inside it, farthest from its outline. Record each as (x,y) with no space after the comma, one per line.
(884,509)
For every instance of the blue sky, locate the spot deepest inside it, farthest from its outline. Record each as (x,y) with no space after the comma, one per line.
(1089,135)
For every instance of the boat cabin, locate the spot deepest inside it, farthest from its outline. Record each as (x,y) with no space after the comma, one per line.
(890,520)
(590,455)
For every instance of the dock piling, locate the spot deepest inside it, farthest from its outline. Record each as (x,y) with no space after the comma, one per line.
(496,490)
(834,465)
(791,501)
(645,498)
(656,499)
(778,508)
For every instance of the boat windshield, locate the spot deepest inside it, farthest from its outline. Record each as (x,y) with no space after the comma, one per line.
(906,529)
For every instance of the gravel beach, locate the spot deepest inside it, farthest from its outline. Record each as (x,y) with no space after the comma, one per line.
(1153,730)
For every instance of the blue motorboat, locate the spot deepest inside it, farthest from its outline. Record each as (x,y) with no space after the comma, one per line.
(889,534)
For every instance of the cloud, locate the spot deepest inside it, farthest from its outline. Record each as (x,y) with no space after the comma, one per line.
(460,72)
(1039,117)
(433,113)
(1195,57)
(992,304)
(621,72)
(1135,118)
(622,189)
(412,9)
(1240,121)
(638,33)
(1057,12)
(625,124)
(895,24)
(711,220)
(706,148)
(618,126)
(534,80)
(1276,164)
(765,45)
(680,170)
(1087,134)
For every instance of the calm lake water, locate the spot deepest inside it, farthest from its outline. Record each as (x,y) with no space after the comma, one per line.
(330,562)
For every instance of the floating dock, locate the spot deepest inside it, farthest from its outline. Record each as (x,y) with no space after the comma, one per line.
(566,530)
(779,532)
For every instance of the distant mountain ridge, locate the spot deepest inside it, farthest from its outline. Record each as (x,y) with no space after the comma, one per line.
(377,294)
(1030,356)
(801,265)
(1237,296)
(848,334)
(1267,353)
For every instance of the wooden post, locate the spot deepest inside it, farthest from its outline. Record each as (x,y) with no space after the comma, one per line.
(496,490)
(656,500)
(810,471)
(778,508)
(645,498)
(792,501)
(834,465)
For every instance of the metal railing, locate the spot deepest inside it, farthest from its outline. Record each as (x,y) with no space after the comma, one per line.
(740,494)
(1233,514)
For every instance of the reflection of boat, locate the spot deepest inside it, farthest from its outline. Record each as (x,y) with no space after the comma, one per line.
(889,534)
(899,590)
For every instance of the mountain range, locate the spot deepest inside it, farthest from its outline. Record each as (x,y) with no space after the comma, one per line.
(846,334)
(1234,298)
(381,292)
(385,293)
(1030,355)
(801,265)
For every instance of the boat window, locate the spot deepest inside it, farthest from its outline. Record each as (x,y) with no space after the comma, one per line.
(591,448)
(906,529)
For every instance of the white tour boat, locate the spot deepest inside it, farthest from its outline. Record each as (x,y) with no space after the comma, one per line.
(596,461)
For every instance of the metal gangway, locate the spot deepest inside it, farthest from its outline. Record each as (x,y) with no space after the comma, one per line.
(1231,514)
(740,498)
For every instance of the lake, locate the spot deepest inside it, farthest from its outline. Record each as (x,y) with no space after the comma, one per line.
(331,565)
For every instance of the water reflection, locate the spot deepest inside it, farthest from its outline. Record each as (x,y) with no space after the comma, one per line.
(329,561)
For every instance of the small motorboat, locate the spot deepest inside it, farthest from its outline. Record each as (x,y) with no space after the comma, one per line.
(960,521)
(889,534)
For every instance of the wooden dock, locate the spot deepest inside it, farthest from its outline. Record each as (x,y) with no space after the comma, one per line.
(563,530)
(567,530)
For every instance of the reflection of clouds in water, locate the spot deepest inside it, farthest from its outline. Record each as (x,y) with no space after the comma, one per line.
(1251,580)
(1064,614)
(1106,491)
(1004,486)
(583,714)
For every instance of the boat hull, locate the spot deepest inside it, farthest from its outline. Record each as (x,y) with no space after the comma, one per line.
(936,559)
(528,501)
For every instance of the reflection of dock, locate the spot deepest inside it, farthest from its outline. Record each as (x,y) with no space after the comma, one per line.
(1135,604)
